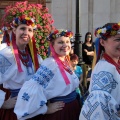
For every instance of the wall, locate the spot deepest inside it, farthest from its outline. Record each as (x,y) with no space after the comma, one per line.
(93,14)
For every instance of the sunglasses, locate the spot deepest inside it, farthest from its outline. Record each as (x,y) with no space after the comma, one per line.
(89,36)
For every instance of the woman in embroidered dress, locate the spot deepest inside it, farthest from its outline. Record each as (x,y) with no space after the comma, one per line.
(103,102)
(16,62)
(53,81)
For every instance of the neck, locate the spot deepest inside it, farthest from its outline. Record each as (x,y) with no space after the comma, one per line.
(21,47)
(62,58)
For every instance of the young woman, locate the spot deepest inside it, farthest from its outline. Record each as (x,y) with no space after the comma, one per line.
(103,102)
(88,49)
(17,64)
(54,81)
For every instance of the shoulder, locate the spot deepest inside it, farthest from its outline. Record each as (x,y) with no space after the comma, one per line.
(103,65)
(3,46)
(6,51)
(79,68)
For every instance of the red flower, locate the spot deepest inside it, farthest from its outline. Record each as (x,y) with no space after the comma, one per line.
(56,31)
(29,22)
(22,17)
(115,27)
(69,34)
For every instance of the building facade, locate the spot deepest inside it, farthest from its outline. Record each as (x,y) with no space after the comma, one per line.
(93,13)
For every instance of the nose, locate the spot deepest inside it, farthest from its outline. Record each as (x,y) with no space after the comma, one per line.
(26,31)
(65,45)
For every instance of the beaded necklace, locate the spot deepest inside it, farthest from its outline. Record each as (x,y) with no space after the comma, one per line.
(24,56)
(26,60)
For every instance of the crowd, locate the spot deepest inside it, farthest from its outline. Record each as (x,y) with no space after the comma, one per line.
(34,88)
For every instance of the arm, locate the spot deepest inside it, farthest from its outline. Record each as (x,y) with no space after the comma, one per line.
(81,79)
(89,53)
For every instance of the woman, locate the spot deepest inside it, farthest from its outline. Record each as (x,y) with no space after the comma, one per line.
(88,49)
(54,81)
(17,63)
(103,102)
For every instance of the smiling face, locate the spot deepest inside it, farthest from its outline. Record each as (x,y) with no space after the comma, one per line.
(112,46)
(23,34)
(62,46)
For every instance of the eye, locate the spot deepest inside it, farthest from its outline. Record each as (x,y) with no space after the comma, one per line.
(117,39)
(60,42)
(22,28)
(30,30)
(68,41)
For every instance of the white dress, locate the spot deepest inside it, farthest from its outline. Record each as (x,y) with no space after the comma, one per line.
(47,83)
(10,77)
(103,101)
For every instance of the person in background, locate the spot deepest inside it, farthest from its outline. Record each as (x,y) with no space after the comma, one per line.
(53,81)
(103,102)
(88,50)
(77,69)
(79,72)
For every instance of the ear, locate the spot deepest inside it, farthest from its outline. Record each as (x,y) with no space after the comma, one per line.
(14,30)
(102,42)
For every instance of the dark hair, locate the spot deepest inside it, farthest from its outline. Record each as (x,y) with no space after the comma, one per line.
(88,33)
(73,57)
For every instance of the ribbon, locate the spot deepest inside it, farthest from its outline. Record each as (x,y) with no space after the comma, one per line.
(33,51)
(16,55)
(60,65)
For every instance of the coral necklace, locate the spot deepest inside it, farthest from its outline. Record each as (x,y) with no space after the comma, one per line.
(24,57)
(110,60)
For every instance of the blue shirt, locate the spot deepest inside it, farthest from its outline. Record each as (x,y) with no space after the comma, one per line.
(78,71)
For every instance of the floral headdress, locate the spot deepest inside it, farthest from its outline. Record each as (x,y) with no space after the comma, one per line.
(26,13)
(1,32)
(110,29)
(37,12)
(59,33)
(23,20)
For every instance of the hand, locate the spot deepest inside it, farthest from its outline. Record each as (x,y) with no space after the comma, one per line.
(10,103)
(54,107)
(85,50)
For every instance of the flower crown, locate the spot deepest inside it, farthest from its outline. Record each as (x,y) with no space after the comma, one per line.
(59,33)
(107,31)
(1,32)
(23,20)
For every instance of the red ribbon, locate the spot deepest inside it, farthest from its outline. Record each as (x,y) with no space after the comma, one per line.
(15,51)
(35,55)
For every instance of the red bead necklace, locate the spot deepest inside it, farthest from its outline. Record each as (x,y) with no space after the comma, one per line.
(24,56)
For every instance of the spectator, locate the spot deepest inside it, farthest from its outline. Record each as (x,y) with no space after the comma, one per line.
(88,50)
(78,71)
